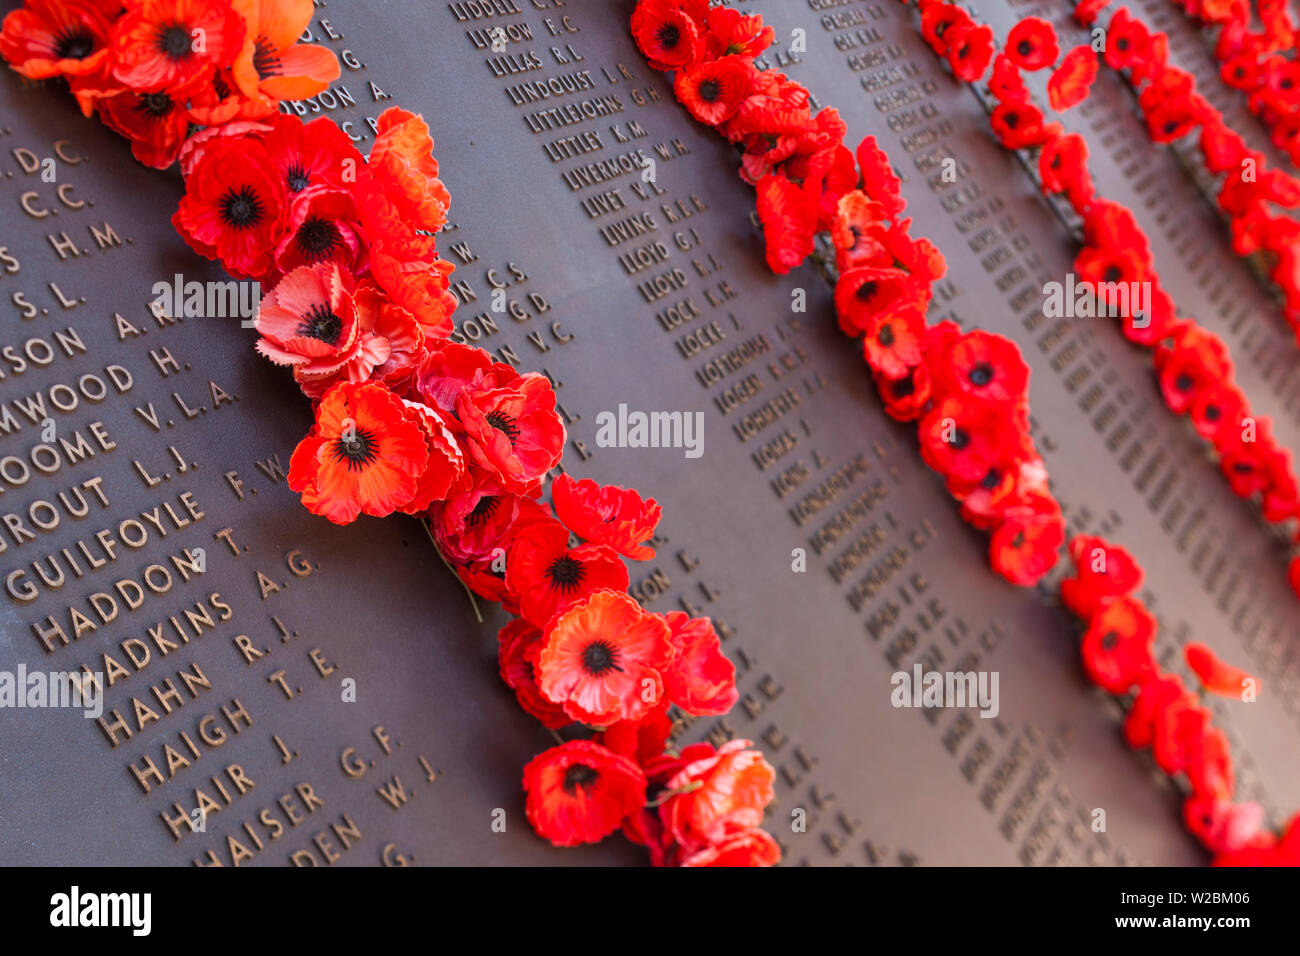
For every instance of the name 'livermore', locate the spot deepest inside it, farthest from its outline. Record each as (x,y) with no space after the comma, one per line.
(651,430)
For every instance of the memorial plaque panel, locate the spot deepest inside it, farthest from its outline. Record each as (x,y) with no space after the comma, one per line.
(229,683)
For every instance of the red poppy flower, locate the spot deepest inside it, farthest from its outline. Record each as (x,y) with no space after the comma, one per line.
(306,155)
(1085,12)
(1102,572)
(155,123)
(905,397)
(170,44)
(322,226)
(409,270)
(1032,45)
(1178,732)
(233,208)
(964,440)
(1006,84)
(546,576)
(712,91)
(604,658)
(1222,826)
(1072,81)
(789,223)
(477,524)
(308,321)
(607,514)
(970,48)
(1218,412)
(985,366)
(512,431)
(272,64)
(857,232)
(1127,41)
(1020,124)
(446,466)
(45,38)
(1216,676)
(451,368)
(1117,645)
(731,788)
(518,644)
(869,295)
(405,174)
(580,792)
(770,120)
(1155,695)
(700,680)
(1197,362)
(939,21)
(729,31)
(379,318)
(1026,546)
(879,180)
(1223,147)
(666,35)
(1245,463)
(750,847)
(363,455)
(892,343)
(1063,167)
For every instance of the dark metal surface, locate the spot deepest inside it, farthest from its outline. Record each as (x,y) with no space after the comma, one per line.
(878,784)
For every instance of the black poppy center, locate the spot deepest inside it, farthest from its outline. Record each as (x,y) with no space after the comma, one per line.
(486,507)
(1113,273)
(866,291)
(317,238)
(357,448)
(154,105)
(266,59)
(981,374)
(565,573)
(1184,382)
(321,323)
(1012,120)
(75,43)
(960,439)
(580,776)
(1109,640)
(174,41)
(241,208)
(1212,413)
(297,178)
(903,387)
(991,479)
(599,658)
(669,36)
(503,423)
(1170,126)
(710,90)
(1024,48)
(886,335)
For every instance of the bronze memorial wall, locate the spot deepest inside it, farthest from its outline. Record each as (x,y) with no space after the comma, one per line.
(143,460)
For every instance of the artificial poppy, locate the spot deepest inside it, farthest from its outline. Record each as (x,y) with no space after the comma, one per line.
(308,321)
(171,44)
(1214,675)
(666,35)
(1071,82)
(892,342)
(1063,167)
(868,295)
(379,318)
(1179,728)
(272,64)
(700,680)
(712,91)
(1031,44)
(412,274)
(546,576)
(1209,769)
(512,431)
(970,48)
(1026,545)
(476,524)
(46,38)
(985,366)
(1127,41)
(857,230)
(905,397)
(1218,413)
(1197,362)
(728,31)
(789,223)
(1117,645)
(879,181)
(1221,825)
(718,794)
(155,123)
(322,225)
(1156,693)
(642,740)
(747,847)
(404,173)
(233,207)
(306,155)
(363,455)
(517,646)
(1102,572)
(1223,148)
(1018,124)
(1006,84)
(580,792)
(603,659)
(446,466)
(607,514)
(940,21)
(961,439)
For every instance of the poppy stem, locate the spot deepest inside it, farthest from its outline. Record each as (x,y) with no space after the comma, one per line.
(437,550)
(669,794)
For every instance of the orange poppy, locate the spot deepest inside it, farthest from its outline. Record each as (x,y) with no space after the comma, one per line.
(272,64)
